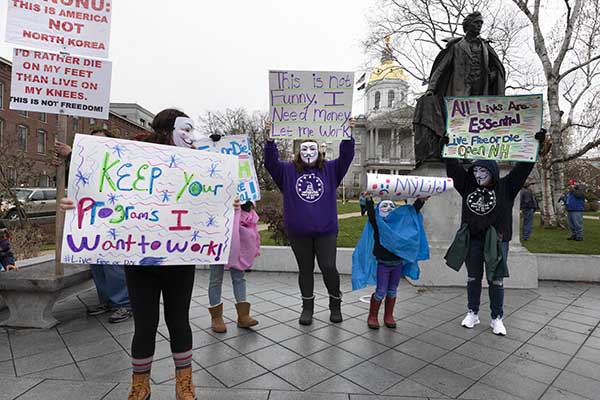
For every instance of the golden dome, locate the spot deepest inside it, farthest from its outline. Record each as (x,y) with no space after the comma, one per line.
(388,70)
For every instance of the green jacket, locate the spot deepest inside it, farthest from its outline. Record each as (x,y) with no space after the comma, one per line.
(495,264)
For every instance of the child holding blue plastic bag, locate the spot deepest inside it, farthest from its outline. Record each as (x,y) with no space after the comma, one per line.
(392,243)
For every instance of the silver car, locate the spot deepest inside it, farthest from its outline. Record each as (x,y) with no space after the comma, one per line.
(36,202)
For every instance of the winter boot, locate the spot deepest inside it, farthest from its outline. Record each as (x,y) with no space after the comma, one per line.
(216,315)
(308,306)
(372,321)
(335,309)
(184,388)
(140,387)
(388,312)
(244,318)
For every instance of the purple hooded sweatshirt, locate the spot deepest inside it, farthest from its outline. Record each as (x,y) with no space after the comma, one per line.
(309,197)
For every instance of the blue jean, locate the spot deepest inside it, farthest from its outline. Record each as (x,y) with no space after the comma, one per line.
(575,220)
(388,279)
(110,284)
(528,214)
(215,283)
(475,269)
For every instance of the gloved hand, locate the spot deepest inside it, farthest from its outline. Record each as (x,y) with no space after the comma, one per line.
(541,135)
(215,137)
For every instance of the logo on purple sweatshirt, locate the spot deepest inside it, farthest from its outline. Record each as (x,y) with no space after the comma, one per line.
(310,188)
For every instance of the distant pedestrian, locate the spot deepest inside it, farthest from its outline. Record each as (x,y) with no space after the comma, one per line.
(574,203)
(528,206)
(362,200)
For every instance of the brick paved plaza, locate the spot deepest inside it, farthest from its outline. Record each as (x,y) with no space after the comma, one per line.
(552,350)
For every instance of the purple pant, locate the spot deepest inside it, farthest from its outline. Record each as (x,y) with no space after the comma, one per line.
(388,279)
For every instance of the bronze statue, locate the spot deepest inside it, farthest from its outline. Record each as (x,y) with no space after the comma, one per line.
(468,66)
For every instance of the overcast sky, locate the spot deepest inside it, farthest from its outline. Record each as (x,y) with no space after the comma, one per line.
(210,55)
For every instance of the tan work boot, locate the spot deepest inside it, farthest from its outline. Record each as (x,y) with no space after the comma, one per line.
(244,318)
(216,315)
(140,387)
(184,388)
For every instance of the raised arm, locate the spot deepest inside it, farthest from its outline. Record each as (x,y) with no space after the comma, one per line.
(273,164)
(458,174)
(371,212)
(517,177)
(343,162)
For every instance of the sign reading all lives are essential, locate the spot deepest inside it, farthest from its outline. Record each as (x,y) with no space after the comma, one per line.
(145,204)
(239,146)
(51,83)
(493,128)
(73,26)
(310,104)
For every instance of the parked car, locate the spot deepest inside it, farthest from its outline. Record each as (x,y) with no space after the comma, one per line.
(36,202)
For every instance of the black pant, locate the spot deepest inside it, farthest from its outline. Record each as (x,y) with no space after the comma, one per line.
(145,284)
(475,270)
(363,210)
(324,248)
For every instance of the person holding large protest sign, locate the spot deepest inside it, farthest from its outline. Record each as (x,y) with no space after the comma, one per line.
(147,283)
(486,230)
(309,186)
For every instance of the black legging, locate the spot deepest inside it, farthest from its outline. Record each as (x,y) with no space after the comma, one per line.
(305,249)
(145,285)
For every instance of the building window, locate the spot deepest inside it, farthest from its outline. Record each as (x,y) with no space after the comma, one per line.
(43,117)
(76,125)
(356,179)
(44,181)
(22,133)
(1,132)
(92,122)
(12,175)
(391,96)
(41,141)
(143,122)
(23,113)
(357,158)
(1,95)
(377,100)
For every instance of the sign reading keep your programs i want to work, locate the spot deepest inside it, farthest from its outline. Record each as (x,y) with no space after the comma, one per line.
(79,27)
(139,203)
(498,128)
(310,104)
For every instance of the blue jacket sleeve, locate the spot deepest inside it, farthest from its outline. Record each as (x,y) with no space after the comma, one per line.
(273,164)
(517,176)
(342,163)
(458,174)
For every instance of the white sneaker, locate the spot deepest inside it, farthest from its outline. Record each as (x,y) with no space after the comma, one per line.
(470,320)
(498,327)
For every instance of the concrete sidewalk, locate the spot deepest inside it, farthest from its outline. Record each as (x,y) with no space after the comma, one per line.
(552,350)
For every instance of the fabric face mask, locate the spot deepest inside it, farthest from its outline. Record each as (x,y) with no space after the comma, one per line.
(386,207)
(482,175)
(184,134)
(309,151)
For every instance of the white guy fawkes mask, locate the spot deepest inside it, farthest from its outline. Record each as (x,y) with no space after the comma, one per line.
(386,207)
(309,151)
(184,134)
(482,175)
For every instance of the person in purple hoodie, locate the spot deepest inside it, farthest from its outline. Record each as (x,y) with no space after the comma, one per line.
(309,185)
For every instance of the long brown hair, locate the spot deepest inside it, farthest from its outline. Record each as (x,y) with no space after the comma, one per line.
(301,166)
(163,125)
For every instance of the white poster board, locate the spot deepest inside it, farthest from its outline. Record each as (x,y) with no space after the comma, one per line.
(145,204)
(239,146)
(406,186)
(313,105)
(79,27)
(55,83)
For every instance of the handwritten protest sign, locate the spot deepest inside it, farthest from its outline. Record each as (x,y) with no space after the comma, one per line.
(493,128)
(405,186)
(310,104)
(237,145)
(146,204)
(73,26)
(51,83)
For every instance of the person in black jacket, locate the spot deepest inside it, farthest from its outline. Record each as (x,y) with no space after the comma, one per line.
(528,206)
(487,203)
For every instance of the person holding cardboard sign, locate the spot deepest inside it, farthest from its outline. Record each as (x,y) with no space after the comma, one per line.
(147,283)
(486,230)
(309,186)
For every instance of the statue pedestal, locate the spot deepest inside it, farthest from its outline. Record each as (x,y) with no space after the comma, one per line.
(441,217)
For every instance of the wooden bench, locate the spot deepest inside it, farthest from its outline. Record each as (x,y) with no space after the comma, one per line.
(31,292)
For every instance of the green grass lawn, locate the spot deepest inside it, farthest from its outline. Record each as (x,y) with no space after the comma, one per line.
(554,240)
(348,208)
